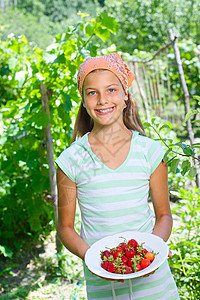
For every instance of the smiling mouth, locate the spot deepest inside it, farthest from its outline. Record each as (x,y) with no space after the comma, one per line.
(105,111)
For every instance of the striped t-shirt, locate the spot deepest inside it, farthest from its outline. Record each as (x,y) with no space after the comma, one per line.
(113,201)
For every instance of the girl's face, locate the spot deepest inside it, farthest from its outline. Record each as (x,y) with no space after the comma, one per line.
(104,97)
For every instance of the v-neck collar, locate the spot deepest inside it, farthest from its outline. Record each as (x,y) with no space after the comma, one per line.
(99,161)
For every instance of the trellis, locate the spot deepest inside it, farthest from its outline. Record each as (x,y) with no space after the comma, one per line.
(152,88)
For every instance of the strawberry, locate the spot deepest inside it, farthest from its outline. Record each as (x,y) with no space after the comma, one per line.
(116,254)
(140,250)
(111,267)
(124,259)
(138,267)
(119,249)
(119,270)
(145,263)
(105,264)
(128,270)
(122,245)
(105,253)
(130,262)
(130,253)
(132,243)
(149,255)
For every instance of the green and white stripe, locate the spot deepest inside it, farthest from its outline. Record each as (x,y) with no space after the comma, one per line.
(113,201)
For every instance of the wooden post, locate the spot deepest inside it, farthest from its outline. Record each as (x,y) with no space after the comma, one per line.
(186,96)
(50,158)
(142,93)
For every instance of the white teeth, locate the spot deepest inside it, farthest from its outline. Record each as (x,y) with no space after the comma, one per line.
(105,110)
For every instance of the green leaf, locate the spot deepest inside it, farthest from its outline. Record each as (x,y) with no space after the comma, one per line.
(40,119)
(68,102)
(190,114)
(6,251)
(108,22)
(146,124)
(102,33)
(164,126)
(93,50)
(192,172)
(188,151)
(196,97)
(39,53)
(153,120)
(60,59)
(89,29)
(185,167)
(174,165)
(195,121)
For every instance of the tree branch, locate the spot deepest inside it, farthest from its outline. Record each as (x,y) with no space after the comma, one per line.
(144,61)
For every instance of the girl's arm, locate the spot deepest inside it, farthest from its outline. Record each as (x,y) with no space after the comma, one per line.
(160,200)
(67,193)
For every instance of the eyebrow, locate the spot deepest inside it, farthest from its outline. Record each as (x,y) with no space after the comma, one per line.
(89,88)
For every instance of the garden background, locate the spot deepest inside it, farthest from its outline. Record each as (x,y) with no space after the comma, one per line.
(42,44)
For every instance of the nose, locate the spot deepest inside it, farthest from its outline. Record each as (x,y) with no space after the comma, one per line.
(102,99)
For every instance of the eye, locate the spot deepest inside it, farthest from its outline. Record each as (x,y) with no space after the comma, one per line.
(92,93)
(111,90)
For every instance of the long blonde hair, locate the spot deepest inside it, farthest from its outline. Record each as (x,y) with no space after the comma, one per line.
(84,123)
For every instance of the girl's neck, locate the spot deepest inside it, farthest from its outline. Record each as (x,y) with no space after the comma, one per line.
(110,135)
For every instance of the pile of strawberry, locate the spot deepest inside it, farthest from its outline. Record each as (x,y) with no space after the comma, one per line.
(127,257)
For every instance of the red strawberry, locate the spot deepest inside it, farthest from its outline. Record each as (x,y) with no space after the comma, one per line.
(126,247)
(119,249)
(138,267)
(130,253)
(105,264)
(124,259)
(116,254)
(111,267)
(132,243)
(145,263)
(122,245)
(105,253)
(130,262)
(119,270)
(128,270)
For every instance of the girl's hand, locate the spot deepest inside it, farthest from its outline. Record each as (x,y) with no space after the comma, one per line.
(119,280)
(170,253)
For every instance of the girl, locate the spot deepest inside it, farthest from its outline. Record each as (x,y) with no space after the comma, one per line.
(110,170)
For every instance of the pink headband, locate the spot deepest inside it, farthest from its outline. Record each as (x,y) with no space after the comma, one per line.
(111,62)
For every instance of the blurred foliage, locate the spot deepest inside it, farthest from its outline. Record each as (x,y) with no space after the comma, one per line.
(41,20)
(185,263)
(144,25)
(24,169)
(38,29)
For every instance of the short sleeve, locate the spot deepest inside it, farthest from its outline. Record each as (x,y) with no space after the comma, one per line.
(155,155)
(66,162)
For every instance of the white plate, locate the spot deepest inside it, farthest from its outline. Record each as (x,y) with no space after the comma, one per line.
(151,243)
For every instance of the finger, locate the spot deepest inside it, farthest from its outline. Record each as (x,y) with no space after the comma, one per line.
(149,273)
(170,253)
